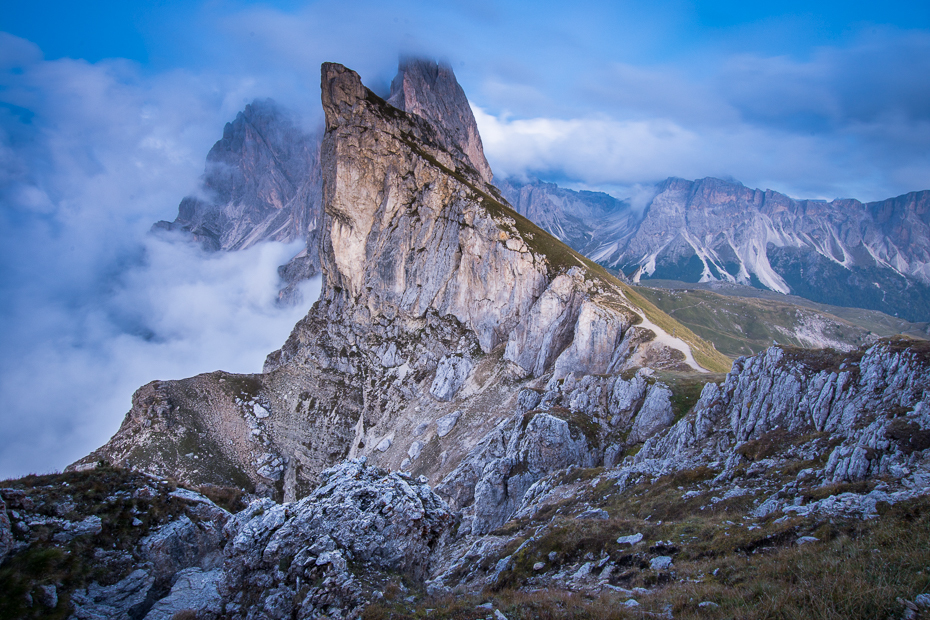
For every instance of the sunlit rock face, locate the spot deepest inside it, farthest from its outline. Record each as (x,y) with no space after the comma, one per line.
(438,302)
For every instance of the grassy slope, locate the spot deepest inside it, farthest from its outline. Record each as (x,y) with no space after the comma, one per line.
(744,326)
(856,319)
(562,257)
(746,568)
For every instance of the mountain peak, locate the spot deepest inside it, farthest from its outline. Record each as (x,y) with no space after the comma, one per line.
(429,90)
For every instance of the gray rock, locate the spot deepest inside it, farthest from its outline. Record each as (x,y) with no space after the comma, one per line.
(184,544)
(415,449)
(583,572)
(662,562)
(48,596)
(450,376)
(374,518)
(6,532)
(594,513)
(124,600)
(446,423)
(538,566)
(631,539)
(491,482)
(805,540)
(654,415)
(194,589)
(90,526)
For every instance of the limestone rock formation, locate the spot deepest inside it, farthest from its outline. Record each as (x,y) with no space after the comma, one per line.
(148,538)
(874,405)
(437,298)
(261,182)
(294,559)
(844,252)
(430,90)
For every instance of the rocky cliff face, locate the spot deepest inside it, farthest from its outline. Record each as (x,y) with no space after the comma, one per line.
(430,90)
(439,302)
(263,179)
(261,183)
(842,252)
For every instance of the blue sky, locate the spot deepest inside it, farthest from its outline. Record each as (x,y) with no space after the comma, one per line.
(107,111)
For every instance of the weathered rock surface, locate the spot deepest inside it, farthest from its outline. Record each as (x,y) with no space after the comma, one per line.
(261,183)
(430,90)
(294,558)
(114,543)
(436,298)
(6,533)
(194,590)
(844,252)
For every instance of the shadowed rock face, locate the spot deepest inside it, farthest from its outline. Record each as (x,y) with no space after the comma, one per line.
(437,300)
(430,90)
(261,183)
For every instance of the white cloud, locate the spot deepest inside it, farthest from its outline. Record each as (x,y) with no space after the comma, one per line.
(67,380)
(92,307)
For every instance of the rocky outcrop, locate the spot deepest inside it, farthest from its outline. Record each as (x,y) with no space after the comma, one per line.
(263,179)
(437,298)
(430,90)
(859,398)
(295,558)
(850,416)
(115,543)
(6,534)
(579,421)
(261,183)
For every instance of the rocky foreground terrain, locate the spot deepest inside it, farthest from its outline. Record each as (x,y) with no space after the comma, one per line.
(475,421)
(796,485)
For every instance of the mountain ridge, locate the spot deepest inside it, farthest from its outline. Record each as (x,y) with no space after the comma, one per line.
(874,255)
(475,418)
(437,301)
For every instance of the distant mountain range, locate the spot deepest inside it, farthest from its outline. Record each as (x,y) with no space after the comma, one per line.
(843,253)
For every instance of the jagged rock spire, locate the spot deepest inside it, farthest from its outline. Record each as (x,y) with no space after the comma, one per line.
(430,90)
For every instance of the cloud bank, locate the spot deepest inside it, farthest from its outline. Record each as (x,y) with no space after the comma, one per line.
(92,305)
